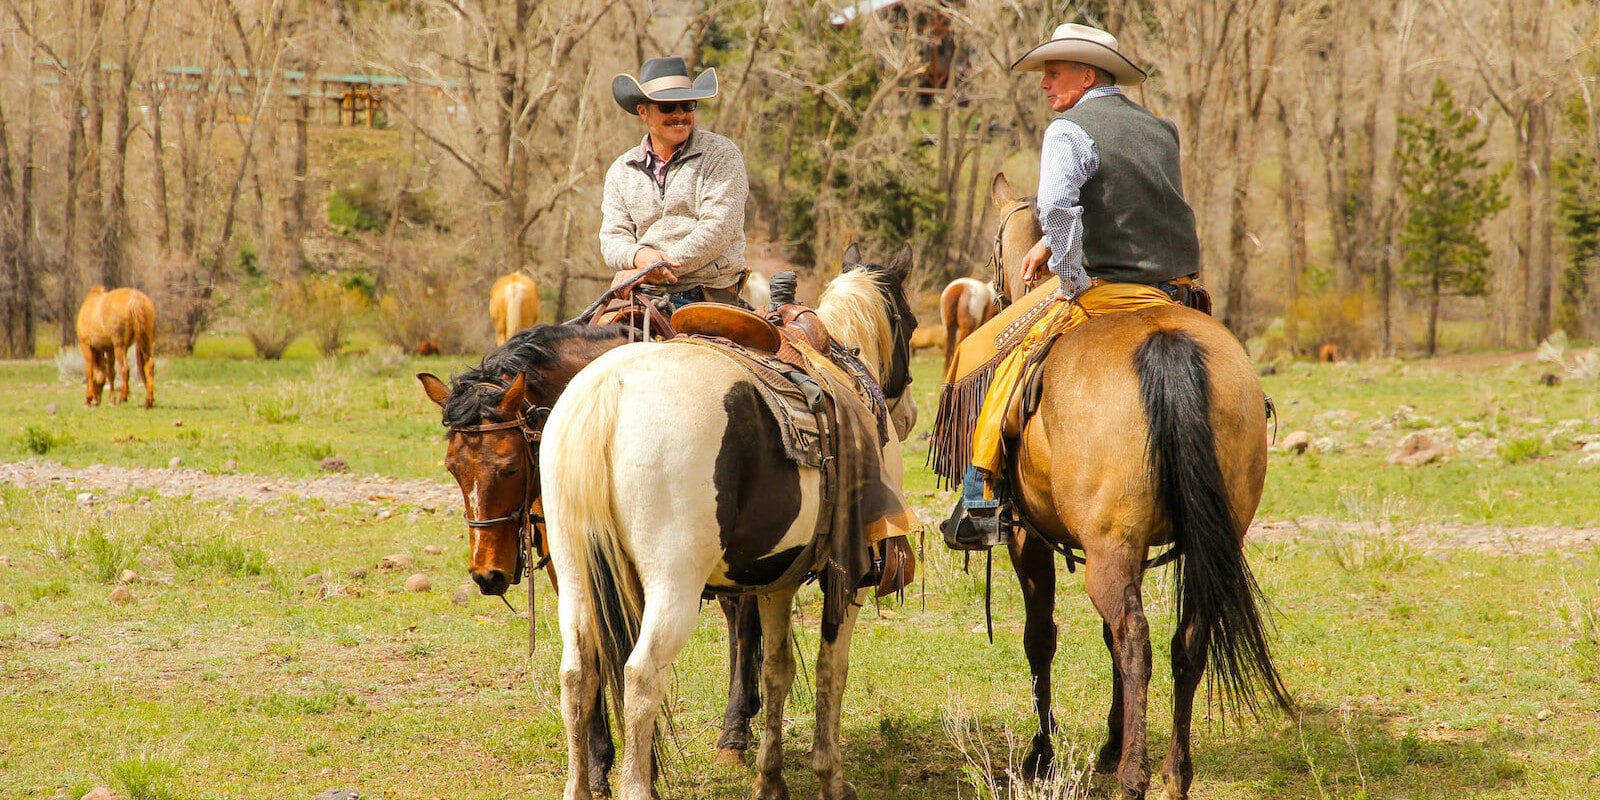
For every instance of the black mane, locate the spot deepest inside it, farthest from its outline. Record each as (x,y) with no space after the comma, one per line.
(475,395)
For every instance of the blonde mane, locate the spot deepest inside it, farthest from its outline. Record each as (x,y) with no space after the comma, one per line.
(852,308)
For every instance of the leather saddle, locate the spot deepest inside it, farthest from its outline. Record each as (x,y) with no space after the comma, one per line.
(768,334)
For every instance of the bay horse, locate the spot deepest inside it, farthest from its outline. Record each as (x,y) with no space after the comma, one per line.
(964,304)
(513,305)
(1150,430)
(108,324)
(494,413)
(665,476)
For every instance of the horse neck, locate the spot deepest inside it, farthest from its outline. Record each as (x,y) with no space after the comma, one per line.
(852,309)
(572,355)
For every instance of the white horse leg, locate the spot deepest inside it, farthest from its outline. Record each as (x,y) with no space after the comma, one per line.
(669,618)
(580,680)
(833,668)
(777,676)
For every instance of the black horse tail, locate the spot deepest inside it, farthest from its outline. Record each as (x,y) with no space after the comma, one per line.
(1214,586)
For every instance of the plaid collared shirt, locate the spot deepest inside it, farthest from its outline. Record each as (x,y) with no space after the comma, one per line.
(658,165)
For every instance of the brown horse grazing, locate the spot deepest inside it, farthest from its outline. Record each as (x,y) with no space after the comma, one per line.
(963,306)
(1150,431)
(513,305)
(108,323)
(495,413)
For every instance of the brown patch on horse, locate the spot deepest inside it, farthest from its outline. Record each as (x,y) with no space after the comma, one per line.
(108,324)
(513,305)
(964,305)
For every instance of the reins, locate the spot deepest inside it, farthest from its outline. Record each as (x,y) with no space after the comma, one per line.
(997,252)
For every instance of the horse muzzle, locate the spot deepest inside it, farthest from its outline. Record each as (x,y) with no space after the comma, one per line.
(491,582)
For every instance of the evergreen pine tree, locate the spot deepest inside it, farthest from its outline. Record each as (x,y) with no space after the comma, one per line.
(1448,197)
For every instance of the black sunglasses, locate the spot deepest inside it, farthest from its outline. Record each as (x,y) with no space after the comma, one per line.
(687,106)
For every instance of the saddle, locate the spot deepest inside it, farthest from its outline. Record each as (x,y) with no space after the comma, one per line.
(639,312)
(788,322)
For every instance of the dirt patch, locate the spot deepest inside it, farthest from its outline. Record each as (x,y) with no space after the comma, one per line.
(441,496)
(1437,536)
(200,485)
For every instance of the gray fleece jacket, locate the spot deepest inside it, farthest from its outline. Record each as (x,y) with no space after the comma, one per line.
(698,220)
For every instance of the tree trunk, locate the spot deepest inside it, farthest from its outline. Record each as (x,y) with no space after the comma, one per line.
(1433,311)
(158,167)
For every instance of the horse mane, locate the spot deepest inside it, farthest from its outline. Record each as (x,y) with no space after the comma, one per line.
(475,394)
(852,309)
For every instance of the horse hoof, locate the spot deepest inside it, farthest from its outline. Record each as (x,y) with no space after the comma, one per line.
(731,757)
(846,791)
(1109,759)
(773,790)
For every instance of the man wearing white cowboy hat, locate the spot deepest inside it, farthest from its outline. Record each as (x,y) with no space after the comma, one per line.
(679,196)
(1110,194)
(1117,231)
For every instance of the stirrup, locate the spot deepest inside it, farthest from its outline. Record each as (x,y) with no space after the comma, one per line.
(972,528)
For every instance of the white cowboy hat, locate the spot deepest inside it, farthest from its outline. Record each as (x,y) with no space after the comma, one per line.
(1084,45)
(663,80)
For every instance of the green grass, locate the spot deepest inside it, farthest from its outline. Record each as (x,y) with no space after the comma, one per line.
(1419,674)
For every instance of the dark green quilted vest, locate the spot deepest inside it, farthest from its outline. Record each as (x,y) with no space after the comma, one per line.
(1137,228)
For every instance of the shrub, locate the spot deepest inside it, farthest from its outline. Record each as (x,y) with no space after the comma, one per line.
(1527,448)
(1343,318)
(40,441)
(218,553)
(271,320)
(329,305)
(108,557)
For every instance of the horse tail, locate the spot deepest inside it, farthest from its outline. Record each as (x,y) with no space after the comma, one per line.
(950,315)
(583,512)
(1215,588)
(513,308)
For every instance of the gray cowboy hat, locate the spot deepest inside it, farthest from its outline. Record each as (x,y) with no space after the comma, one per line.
(663,80)
(1084,45)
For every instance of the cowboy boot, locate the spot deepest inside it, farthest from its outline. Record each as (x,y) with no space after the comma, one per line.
(975,522)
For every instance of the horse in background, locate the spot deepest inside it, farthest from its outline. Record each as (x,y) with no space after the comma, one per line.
(513,305)
(964,305)
(666,476)
(757,290)
(1150,430)
(108,324)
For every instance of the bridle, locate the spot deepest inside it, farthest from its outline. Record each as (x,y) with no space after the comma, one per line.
(996,257)
(530,526)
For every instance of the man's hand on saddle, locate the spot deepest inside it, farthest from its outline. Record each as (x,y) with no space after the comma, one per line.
(649,263)
(1036,264)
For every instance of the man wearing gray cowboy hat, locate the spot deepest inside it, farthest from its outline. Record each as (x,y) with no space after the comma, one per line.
(679,196)
(1110,194)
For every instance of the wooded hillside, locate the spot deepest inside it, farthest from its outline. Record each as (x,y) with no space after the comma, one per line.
(218,153)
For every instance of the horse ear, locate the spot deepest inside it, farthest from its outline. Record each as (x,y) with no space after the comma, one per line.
(900,266)
(852,258)
(1000,192)
(511,403)
(434,388)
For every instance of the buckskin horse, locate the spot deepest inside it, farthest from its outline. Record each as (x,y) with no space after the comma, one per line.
(495,413)
(665,476)
(513,305)
(108,324)
(1150,430)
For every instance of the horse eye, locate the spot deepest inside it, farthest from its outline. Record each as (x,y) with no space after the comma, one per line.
(508,472)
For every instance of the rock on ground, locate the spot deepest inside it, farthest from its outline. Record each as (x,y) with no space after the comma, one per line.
(396,561)
(418,583)
(463,595)
(121,594)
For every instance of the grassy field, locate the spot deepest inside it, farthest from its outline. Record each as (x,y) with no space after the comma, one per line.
(265,654)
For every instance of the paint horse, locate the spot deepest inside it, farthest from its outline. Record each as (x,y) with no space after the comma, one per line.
(665,476)
(1150,430)
(513,305)
(964,305)
(108,324)
(495,413)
